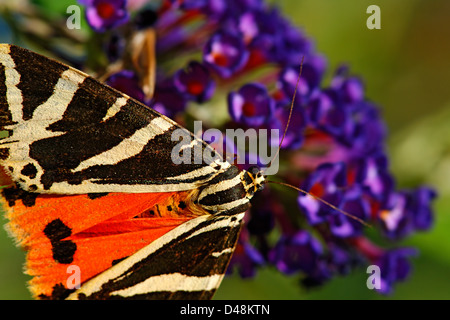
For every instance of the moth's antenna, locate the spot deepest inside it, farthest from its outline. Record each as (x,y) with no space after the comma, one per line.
(323,201)
(298,189)
(290,114)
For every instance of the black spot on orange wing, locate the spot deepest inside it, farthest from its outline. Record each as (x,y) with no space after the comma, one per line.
(93,196)
(12,194)
(63,250)
(57,230)
(59,292)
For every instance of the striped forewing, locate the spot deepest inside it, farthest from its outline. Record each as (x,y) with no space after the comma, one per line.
(70,134)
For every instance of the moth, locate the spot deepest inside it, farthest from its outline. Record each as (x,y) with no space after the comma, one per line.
(90,187)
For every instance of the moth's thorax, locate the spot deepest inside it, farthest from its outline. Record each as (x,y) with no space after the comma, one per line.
(230,191)
(253,180)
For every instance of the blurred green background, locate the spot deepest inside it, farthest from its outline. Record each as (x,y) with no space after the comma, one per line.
(406,69)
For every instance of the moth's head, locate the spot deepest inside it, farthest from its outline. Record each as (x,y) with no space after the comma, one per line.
(253,180)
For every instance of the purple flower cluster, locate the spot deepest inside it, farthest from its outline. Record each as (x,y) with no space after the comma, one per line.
(248,54)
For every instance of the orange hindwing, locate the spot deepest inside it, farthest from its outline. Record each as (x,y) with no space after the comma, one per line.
(91,232)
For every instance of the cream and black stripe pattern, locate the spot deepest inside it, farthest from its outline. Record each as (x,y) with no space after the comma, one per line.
(187,263)
(70,134)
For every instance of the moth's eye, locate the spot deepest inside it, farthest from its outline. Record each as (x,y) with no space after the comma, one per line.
(260,187)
